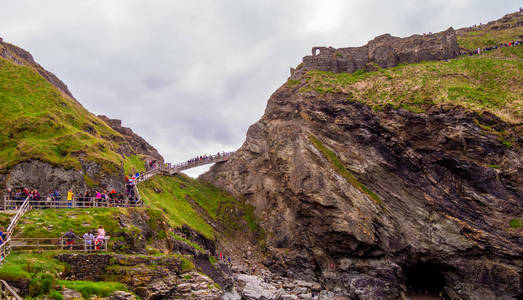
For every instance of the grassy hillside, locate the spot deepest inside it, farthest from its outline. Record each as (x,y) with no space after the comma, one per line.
(40,122)
(186,201)
(493,33)
(43,271)
(488,82)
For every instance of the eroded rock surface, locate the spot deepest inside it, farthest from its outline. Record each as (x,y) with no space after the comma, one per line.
(149,277)
(433,193)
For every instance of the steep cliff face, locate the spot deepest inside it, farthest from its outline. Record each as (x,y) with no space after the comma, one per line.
(380,183)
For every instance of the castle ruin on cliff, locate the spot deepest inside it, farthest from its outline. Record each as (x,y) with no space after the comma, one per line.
(385,51)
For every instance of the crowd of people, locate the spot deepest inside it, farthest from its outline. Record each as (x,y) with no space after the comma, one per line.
(200,158)
(501,45)
(92,240)
(55,198)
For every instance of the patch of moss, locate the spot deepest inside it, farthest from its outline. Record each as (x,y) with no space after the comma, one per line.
(91,288)
(342,170)
(185,264)
(516,223)
(292,83)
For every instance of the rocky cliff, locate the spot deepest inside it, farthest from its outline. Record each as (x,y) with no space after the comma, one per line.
(135,143)
(396,181)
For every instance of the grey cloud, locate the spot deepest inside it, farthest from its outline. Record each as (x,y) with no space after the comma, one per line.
(191,76)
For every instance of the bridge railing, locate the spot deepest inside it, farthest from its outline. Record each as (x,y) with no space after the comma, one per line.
(7,292)
(77,202)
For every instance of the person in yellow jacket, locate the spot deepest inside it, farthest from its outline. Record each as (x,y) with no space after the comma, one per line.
(70,196)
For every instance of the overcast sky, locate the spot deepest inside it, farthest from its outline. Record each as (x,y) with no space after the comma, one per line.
(191,76)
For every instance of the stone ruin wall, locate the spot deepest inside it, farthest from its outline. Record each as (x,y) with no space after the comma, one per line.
(385,51)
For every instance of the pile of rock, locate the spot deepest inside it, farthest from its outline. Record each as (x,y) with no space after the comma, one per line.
(269,286)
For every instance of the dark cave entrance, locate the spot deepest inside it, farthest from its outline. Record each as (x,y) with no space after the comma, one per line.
(425,278)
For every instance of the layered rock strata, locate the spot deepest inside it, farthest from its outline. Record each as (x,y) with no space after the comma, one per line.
(374,204)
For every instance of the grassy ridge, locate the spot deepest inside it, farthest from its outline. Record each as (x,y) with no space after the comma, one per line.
(490,82)
(40,122)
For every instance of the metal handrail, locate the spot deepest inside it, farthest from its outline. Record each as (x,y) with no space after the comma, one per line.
(7,292)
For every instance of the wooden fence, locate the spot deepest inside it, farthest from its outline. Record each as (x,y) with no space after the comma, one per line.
(7,292)
(48,244)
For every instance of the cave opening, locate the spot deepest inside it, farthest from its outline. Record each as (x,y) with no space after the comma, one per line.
(425,278)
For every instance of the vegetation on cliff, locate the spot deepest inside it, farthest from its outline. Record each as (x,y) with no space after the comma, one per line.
(186,201)
(42,123)
(43,271)
(342,170)
(489,82)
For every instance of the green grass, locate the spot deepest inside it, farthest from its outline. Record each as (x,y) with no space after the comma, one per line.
(293,83)
(516,223)
(52,223)
(26,265)
(487,38)
(188,242)
(39,122)
(133,164)
(43,268)
(168,194)
(171,195)
(91,288)
(342,170)
(186,265)
(490,82)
